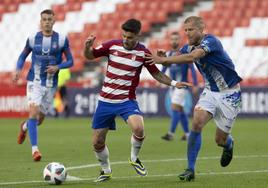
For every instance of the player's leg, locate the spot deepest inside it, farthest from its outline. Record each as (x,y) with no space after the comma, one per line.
(200,119)
(225,140)
(32,123)
(203,113)
(177,101)
(103,120)
(136,124)
(102,153)
(229,106)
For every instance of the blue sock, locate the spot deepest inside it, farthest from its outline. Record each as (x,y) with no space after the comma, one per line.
(184,122)
(32,129)
(229,142)
(194,145)
(174,121)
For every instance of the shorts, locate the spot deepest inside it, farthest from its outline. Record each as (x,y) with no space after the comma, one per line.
(40,95)
(178,96)
(105,113)
(224,106)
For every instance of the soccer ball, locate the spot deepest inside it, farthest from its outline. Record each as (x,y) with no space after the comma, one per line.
(55,173)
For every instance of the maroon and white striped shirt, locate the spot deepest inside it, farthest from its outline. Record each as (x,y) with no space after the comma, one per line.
(123,70)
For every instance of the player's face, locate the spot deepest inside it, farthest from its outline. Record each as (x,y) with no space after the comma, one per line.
(174,41)
(129,40)
(193,33)
(47,22)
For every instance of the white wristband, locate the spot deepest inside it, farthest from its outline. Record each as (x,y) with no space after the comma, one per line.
(173,83)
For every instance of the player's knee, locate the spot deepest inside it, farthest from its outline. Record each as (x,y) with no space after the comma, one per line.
(98,145)
(197,125)
(138,131)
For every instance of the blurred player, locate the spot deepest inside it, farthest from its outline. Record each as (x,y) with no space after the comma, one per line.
(47,47)
(178,72)
(221,98)
(117,98)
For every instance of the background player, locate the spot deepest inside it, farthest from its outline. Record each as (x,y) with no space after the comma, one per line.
(178,72)
(47,47)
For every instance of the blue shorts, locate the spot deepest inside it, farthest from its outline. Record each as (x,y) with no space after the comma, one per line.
(105,113)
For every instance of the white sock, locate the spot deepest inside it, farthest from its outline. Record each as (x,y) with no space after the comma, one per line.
(170,133)
(187,135)
(103,158)
(24,126)
(135,147)
(34,149)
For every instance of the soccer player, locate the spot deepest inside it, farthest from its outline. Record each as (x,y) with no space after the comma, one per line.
(178,72)
(117,98)
(221,98)
(47,47)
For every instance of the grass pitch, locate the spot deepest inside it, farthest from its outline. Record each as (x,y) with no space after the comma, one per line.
(69,141)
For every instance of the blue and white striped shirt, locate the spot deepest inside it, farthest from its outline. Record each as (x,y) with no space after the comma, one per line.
(45,51)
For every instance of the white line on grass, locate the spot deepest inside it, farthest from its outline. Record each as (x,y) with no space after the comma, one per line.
(72,178)
(149,176)
(165,160)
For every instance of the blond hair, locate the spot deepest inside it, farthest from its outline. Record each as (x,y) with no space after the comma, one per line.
(196,20)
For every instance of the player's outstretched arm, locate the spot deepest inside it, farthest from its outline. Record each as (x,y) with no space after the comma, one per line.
(164,79)
(88,47)
(178,59)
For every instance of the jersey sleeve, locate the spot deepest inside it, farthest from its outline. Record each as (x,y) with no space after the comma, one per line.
(210,44)
(68,55)
(103,49)
(23,55)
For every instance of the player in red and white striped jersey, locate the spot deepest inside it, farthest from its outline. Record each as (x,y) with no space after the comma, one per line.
(126,58)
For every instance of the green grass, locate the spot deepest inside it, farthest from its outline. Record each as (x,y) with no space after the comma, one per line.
(69,141)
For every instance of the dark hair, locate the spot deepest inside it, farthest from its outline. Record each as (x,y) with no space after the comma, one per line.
(175,33)
(132,25)
(47,11)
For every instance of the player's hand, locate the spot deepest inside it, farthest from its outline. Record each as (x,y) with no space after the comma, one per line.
(161,53)
(16,76)
(180,85)
(153,59)
(52,69)
(89,42)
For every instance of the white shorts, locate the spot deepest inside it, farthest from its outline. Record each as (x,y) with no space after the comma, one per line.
(40,95)
(224,106)
(178,96)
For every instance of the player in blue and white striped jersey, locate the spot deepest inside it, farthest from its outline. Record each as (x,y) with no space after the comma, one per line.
(178,72)
(221,98)
(47,47)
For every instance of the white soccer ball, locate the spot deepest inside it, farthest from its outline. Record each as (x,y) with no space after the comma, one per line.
(55,173)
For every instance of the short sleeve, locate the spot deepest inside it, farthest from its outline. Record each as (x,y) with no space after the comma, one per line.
(210,44)
(103,49)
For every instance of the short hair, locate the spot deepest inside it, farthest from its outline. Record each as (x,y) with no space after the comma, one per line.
(132,25)
(198,21)
(47,11)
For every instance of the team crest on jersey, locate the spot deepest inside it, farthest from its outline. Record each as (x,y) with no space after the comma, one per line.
(133,57)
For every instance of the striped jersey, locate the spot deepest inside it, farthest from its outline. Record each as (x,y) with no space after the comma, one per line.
(216,66)
(45,51)
(179,72)
(123,70)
